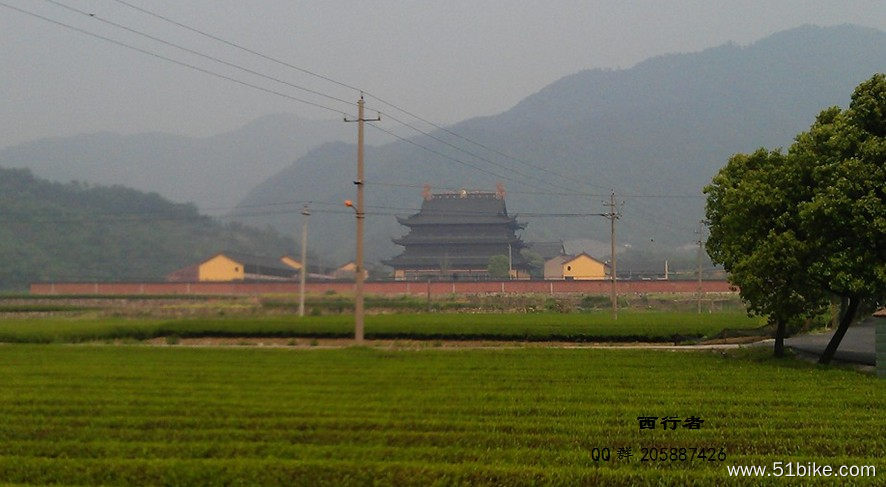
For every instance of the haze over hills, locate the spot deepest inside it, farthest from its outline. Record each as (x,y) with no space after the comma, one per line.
(213,172)
(656,133)
(73,232)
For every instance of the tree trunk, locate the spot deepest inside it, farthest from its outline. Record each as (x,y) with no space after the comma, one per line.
(845,321)
(780,332)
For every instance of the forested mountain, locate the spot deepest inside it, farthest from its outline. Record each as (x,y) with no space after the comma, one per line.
(212,172)
(62,232)
(656,133)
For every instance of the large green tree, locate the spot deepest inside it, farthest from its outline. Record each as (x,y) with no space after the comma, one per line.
(754,234)
(845,219)
(792,229)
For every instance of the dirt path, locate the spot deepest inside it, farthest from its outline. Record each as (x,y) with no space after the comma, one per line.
(331,343)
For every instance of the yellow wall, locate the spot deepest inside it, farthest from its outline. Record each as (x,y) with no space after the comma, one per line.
(220,268)
(583,267)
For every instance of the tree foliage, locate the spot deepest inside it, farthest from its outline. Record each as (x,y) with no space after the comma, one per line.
(498,267)
(792,229)
(754,234)
(535,263)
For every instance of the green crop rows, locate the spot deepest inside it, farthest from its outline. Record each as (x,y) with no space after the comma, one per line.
(640,326)
(124,415)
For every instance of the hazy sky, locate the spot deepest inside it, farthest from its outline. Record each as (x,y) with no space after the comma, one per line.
(445,60)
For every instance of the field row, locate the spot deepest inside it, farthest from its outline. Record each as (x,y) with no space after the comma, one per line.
(598,326)
(114,415)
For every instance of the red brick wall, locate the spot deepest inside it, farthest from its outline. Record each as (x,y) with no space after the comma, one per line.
(401,287)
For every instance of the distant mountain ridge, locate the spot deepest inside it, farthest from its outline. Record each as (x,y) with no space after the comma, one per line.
(213,172)
(656,133)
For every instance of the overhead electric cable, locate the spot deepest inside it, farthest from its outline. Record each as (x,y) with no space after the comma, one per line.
(144,217)
(198,53)
(472,154)
(318,93)
(551,193)
(467,139)
(164,58)
(412,142)
(352,87)
(278,80)
(237,46)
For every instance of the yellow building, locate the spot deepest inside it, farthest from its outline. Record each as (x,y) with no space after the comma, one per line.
(577,267)
(348,272)
(291,262)
(234,266)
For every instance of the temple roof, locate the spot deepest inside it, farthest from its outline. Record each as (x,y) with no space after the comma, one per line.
(417,239)
(464,207)
(460,230)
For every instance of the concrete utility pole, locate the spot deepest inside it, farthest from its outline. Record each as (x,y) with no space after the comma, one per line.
(304,260)
(358,270)
(613,215)
(699,290)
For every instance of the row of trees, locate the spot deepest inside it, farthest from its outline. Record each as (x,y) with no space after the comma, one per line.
(795,229)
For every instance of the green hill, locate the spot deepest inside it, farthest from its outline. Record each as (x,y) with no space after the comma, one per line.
(74,232)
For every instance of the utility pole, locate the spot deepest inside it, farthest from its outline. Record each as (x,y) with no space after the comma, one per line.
(699,291)
(429,294)
(510,263)
(304,260)
(613,215)
(358,271)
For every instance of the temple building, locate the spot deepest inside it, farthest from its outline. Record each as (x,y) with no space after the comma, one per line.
(455,235)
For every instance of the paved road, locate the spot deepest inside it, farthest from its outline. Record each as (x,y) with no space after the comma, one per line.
(857,345)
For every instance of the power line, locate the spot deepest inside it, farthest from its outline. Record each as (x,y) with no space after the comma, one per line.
(164,58)
(236,66)
(155,216)
(237,46)
(334,98)
(352,87)
(322,106)
(467,139)
(197,53)
(472,154)
(548,193)
(468,164)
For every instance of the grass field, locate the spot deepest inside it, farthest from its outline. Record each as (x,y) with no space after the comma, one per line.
(135,415)
(591,326)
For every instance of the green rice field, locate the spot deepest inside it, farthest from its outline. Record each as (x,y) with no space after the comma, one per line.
(656,326)
(139,415)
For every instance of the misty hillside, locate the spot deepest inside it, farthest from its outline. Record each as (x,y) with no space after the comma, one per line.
(213,172)
(63,232)
(656,133)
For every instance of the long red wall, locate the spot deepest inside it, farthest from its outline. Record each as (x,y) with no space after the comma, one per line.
(396,287)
